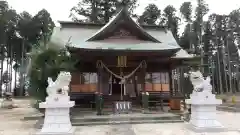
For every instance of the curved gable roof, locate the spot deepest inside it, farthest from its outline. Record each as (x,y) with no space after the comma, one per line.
(122,19)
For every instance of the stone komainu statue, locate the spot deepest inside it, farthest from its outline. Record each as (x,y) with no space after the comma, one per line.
(61,83)
(199,83)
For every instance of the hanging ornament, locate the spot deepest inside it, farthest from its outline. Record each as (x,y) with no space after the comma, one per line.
(110,79)
(130,80)
(114,81)
(122,81)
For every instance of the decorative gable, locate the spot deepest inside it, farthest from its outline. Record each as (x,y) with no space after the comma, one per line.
(122,26)
(122,34)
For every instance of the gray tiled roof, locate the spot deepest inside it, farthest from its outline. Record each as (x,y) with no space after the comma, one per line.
(78,35)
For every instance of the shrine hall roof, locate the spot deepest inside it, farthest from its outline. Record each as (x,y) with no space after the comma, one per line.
(77,38)
(92,36)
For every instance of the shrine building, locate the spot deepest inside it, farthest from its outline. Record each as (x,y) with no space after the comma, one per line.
(122,59)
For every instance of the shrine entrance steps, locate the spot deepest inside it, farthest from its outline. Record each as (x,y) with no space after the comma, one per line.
(90,118)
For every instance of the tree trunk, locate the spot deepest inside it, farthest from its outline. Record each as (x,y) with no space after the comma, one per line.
(1,80)
(224,70)
(21,70)
(10,67)
(15,81)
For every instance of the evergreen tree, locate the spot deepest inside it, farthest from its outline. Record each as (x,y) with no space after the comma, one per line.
(150,15)
(186,39)
(18,33)
(99,11)
(171,20)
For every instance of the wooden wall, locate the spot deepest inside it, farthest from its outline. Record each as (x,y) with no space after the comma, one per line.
(76,86)
(157,87)
(84,88)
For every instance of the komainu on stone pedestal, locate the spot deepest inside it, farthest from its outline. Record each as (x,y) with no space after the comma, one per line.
(203,104)
(57,106)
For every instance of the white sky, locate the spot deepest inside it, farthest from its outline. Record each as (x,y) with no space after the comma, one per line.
(60,9)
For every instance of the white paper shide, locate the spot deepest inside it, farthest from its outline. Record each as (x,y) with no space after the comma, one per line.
(57,105)
(203,103)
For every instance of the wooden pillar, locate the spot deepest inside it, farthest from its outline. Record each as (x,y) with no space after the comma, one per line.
(152,81)
(98,83)
(135,82)
(170,82)
(144,68)
(99,73)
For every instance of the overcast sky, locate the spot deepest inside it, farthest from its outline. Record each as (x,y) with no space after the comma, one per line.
(60,9)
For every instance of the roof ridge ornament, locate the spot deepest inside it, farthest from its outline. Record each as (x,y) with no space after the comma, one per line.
(123,4)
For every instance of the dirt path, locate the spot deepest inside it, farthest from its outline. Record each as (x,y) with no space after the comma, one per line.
(11,122)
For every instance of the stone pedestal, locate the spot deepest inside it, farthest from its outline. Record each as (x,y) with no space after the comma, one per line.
(57,119)
(203,111)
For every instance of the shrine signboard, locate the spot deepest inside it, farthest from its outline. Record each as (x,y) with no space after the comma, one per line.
(122,61)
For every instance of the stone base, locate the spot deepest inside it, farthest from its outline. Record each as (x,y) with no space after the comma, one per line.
(71,132)
(205,129)
(57,120)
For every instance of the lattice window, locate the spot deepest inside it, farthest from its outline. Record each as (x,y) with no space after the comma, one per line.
(88,78)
